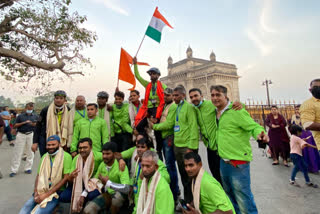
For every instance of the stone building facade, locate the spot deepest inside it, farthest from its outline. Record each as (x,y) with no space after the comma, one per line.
(200,73)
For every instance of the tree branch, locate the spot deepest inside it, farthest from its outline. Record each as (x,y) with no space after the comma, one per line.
(26,59)
(39,40)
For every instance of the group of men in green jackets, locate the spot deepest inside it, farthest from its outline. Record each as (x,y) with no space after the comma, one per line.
(114,157)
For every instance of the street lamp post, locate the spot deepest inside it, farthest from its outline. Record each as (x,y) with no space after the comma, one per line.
(267,83)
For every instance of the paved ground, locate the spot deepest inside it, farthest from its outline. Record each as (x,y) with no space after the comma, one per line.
(270,186)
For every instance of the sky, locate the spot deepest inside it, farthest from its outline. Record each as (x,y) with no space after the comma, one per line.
(265,39)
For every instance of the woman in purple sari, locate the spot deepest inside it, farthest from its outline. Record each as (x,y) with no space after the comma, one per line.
(279,140)
(311,156)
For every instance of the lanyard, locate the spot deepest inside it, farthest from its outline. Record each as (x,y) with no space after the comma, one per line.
(139,169)
(178,111)
(154,90)
(82,115)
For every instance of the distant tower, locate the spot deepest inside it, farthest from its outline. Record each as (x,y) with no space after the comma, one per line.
(212,57)
(170,61)
(189,52)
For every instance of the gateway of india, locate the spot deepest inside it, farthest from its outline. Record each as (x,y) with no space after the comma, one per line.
(200,73)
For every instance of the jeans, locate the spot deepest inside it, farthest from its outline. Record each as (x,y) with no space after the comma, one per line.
(299,165)
(30,204)
(171,165)
(236,183)
(214,164)
(7,130)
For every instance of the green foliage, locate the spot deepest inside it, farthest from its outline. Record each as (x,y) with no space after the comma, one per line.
(41,36)
(6,102)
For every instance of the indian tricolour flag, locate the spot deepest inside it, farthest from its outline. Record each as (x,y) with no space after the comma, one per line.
(156,25)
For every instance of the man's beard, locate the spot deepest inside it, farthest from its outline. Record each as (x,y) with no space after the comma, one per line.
(150,175)
(53,152)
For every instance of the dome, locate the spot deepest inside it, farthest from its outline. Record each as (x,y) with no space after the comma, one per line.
(170,61)
(189,52)
(212,56)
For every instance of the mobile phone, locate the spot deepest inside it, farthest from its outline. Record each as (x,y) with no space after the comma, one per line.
(183,204)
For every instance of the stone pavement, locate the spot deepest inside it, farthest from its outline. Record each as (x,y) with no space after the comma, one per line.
(270,186)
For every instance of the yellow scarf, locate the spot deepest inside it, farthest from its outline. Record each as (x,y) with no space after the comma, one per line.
(56,127)
(196,184)
(84,175)
(56,171)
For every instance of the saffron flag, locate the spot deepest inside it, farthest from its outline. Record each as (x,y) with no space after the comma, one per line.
(125,73)
(156,25)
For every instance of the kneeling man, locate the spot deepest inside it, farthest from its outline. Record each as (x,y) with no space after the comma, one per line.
(84,166)
(52,175)
(115,183)
(155,195)
(208,194)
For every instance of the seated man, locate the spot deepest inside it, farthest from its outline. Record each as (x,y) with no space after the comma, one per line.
(93,127)
(155,195)
(53,172)
(111,178)
(135,153)
(84,166)
(208,194)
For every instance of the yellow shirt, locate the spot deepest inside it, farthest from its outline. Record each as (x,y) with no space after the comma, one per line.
(310,113)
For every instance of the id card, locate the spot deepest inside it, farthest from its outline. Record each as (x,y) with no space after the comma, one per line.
(135,188)
(176,128)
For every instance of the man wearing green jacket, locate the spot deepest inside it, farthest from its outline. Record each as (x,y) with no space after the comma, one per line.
(186,134)
(153,102)
(233,140)
(121,123)
(168,139)
(143,144)
(161,201)
(94,127)
(206,112)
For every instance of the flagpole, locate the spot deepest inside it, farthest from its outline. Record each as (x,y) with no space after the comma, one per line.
(144,36)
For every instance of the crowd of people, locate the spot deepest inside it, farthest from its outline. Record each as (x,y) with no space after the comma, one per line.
(101,157)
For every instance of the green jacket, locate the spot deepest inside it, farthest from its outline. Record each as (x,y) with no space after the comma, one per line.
(145,83)
(97,156)
(120,118)
(206,116)
(164,202)
(171,114)
(114,174)
(96,129)
(78,115)
(210,187)
(233,134)
(185,121)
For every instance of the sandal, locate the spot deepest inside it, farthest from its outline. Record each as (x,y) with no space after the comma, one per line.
(275,163)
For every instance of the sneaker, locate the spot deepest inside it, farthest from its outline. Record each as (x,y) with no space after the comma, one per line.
(294,183)
(12,174)
(11,144)
(310,184)
(29,171)
(24,158)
